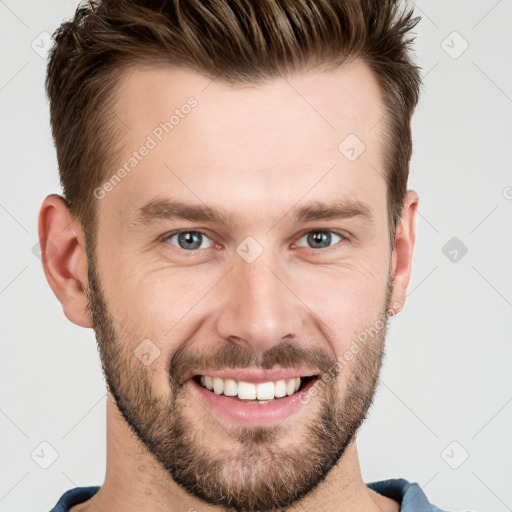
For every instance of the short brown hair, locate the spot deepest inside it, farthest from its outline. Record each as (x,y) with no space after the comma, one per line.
(239,41)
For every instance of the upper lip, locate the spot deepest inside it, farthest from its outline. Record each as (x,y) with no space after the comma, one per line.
(256,375)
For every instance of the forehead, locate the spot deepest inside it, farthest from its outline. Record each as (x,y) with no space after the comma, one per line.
(310,134)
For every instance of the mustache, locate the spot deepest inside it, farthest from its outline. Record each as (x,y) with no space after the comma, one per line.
(285,354)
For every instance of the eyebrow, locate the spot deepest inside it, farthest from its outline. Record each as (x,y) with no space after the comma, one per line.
(167,209)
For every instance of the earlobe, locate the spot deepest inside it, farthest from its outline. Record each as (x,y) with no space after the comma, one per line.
(64,258)
(401,264)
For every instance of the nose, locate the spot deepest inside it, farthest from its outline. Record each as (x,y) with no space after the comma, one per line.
(257,308)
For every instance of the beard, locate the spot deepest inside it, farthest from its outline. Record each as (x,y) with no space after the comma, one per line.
(250,468)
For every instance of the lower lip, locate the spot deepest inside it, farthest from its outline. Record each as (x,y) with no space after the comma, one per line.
(240,412)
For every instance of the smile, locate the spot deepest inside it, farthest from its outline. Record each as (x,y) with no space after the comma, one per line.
(250,403)
(260,392)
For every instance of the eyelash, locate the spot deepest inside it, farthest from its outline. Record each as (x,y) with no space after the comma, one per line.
(344,237)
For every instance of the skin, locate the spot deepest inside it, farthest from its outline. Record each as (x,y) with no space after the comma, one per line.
(265,149)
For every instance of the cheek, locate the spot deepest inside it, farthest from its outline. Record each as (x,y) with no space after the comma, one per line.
(154,297)
(347,298)
(164,306)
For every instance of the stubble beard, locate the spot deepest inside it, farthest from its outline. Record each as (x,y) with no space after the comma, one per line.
(253,469)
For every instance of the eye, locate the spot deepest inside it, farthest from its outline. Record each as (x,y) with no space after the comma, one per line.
(189,240)
(319,239)
(195,240)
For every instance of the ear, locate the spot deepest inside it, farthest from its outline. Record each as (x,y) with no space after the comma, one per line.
(401,261)
(64,258)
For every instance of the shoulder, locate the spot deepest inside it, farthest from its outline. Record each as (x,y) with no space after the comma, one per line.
(409,494)
(74,497)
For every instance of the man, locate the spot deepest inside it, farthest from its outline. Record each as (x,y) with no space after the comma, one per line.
(237,229)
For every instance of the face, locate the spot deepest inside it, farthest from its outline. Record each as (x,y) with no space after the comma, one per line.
(245,242)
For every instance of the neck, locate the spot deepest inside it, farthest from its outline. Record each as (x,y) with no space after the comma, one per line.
(135,481)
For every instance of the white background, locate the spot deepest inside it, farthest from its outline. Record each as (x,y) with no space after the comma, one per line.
(447,371)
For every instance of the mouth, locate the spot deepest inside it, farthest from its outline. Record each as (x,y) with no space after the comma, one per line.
(251,403)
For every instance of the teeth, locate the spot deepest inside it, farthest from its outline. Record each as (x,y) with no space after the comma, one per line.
(280,388)
(218,386)
(246,390)
(250,391)
(230,387)
(290,387)
(265,391)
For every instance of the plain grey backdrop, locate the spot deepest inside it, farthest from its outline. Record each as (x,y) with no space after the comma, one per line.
(442,415)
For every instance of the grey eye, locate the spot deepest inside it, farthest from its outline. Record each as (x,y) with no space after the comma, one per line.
(189,240)
(319,239)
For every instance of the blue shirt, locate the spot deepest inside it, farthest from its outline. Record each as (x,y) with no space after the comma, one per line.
(409,495)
